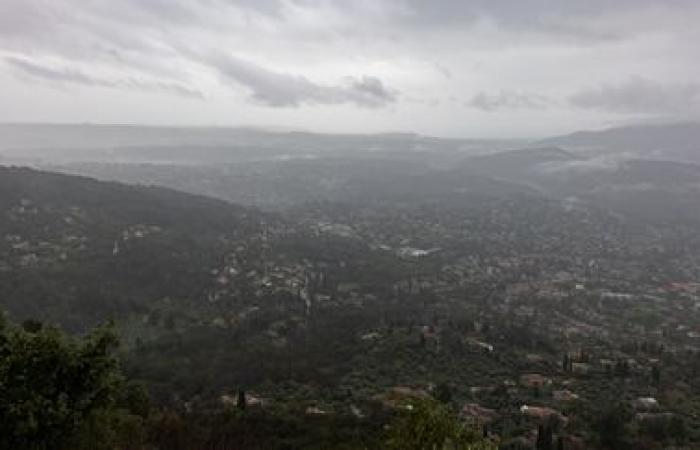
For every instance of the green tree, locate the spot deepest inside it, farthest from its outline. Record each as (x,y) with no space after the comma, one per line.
(428,425)
(56,390)
(656,376)
(241,399)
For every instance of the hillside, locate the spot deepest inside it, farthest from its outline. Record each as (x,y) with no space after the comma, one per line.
(650,189)
(75,250)
(516,165)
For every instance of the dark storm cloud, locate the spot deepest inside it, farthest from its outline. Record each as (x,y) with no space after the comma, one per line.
(507,100)
(279,89)
(73,76)
(639,95)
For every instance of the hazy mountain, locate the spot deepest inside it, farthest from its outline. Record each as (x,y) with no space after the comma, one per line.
(208,145)
(517,162)
(678,141)
(274,169)
(654,189)
(284,184)
(214,145)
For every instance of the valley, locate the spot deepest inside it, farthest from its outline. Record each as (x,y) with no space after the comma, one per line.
(521,287)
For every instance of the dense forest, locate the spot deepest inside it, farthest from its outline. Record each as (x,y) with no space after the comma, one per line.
(61,392)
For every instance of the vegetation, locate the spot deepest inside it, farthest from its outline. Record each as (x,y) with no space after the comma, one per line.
(58,392)
(425,424)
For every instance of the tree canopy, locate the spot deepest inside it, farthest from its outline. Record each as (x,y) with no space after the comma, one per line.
(55,390)
(428,425)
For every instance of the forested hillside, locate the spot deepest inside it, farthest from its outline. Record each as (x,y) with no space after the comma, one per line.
(75,251)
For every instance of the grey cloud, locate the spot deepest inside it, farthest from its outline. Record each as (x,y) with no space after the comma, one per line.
(278,89)
(368,91)
(129,35)
(74,27)
(444,71)
(47,73)
(163,86)
(571,18)
(511,13)
(507,100)
(137,44)
(639,95)
(177,12)
(73,76)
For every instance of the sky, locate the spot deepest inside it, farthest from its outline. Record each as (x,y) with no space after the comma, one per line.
(457,68)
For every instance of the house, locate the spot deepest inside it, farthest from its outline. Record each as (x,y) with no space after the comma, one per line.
(250,400)
(564,395)
(580,368)
(646,403)
(399,395)
(542,413)
(316,411)
(479,413)
(371,336)
(479,345)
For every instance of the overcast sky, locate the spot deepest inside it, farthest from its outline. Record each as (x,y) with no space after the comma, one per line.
(479,68)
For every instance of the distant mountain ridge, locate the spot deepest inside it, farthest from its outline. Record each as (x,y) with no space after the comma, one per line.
(642,169)
(653,189)
(678,141)
(127,143)
(124,143)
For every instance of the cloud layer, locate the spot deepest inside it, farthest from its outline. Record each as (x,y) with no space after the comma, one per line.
(444,67)
(74,76)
